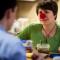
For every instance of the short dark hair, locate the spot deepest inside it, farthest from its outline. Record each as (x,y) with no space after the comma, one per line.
(51,5)
(5,5)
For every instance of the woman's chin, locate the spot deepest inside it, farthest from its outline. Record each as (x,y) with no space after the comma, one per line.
(44,23)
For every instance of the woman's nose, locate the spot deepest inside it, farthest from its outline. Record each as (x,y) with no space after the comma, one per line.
(42,15)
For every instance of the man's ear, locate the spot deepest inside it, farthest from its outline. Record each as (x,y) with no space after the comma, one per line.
(7,13)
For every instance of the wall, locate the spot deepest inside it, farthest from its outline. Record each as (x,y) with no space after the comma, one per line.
(27,9)
(58,17)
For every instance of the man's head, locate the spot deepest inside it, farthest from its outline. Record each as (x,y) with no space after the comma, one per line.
(7,12)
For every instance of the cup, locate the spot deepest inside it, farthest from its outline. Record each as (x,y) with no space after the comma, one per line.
(43,48)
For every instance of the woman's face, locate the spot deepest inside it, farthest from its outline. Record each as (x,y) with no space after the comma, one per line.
(46,16)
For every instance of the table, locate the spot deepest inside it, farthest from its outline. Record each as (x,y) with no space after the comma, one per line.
(28,55)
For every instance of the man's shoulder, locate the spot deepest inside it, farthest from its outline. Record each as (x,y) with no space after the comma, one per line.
(10,45)
(13,39)
(9,38)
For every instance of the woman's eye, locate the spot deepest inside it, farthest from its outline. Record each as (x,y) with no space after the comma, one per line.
(46,12)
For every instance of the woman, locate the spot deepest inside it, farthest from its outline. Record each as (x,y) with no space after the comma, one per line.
(48,31)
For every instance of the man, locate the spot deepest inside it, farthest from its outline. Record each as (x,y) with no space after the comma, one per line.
(11,47)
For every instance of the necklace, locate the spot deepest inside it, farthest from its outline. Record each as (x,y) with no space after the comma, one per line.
(48,34)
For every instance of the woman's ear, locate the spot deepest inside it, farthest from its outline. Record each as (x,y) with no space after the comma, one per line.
(55,17)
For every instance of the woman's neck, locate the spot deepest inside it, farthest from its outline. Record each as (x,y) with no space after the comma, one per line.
(49,30)
(49,27)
